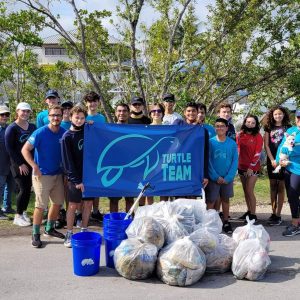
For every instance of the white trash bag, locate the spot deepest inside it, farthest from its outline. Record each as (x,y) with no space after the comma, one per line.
(251,231)
(204,239)
(250,260)
(147,229)
(219,260)
(135,259)
(181,263)
(212,221)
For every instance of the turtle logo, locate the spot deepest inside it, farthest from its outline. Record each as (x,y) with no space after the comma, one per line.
(87,262)
(80,144)
(23,138)
(149,157)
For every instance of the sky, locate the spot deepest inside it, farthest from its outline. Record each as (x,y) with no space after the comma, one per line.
(147,15)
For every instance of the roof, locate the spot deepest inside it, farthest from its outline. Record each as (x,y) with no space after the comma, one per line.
(55,39)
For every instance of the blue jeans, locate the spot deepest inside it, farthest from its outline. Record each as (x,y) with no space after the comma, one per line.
(7,186)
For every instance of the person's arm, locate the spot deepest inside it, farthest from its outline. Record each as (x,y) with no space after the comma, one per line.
(206,158)
(68,160)
(268,150)
(27,154)
(10,139)
(234,164)
(257,153)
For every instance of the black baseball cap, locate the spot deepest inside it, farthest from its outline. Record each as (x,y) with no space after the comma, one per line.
(67,104)
(169,97)
(137,99)
(52,93)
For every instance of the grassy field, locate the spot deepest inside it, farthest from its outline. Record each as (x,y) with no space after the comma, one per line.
(262,192)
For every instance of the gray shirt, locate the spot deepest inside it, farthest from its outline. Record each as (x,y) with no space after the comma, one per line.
(4,157)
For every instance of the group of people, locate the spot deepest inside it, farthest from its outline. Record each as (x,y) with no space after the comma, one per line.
(48,155)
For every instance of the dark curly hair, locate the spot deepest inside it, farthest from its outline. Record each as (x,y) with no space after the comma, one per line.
(255,129)
(270,122)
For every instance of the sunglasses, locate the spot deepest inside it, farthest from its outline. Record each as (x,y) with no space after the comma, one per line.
(159,111)
(137,104)
(5,115)
(55,115)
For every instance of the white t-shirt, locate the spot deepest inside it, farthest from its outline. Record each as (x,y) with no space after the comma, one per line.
(170,119)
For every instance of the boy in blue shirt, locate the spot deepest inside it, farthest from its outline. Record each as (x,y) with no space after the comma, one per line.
(223,163)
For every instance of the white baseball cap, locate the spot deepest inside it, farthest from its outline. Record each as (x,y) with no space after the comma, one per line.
(4,109)
(23,106)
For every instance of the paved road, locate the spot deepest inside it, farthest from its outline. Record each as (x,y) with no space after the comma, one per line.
(28,273)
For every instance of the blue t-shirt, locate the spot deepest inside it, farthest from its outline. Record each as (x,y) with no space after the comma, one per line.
(65,124)
(294,155)
(223,159)
(211,130)
(98,118)
(42,118)
(47,153)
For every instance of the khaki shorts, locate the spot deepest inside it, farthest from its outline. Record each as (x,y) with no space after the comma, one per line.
(48,187)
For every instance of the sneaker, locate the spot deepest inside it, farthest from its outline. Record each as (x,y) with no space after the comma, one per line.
(8,210)
(243,217)
(291,230)
(97,216)
(221,215)
(251,217)
(84,230)
(68,239)
(20,221)
(227,227)
(3,216)
(25,217)
(36,241)
(54,233)
(272,218)
(275,222)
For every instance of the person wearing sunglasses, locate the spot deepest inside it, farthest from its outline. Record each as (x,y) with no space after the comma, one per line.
(156,113)
(66,107)
(4,157)
(137,116)
(16,136)
(292,174)
(47,179)
(170,115)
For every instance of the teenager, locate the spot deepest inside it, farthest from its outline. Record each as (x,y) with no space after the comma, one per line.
(66,107)
(250,143)
(170,115)
(223,162)
(72,157)
(277,123)
(137,106)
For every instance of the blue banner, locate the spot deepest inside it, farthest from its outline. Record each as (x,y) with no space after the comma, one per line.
(120,159)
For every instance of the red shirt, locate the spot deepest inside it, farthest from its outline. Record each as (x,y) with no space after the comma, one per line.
(249,147)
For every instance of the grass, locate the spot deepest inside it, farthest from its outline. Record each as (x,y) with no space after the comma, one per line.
(262,192)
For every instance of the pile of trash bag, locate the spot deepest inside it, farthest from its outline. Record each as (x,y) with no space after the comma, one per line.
(183,240)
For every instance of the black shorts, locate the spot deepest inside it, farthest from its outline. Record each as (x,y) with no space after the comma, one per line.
(74,195)
(242,172)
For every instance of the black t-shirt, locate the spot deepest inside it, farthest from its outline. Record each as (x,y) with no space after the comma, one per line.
(143,120)
(276,134)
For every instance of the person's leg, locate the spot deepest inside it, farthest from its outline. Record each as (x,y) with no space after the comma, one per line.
(250,184)
(8,190)
(113,204)
(149,200)
(274,194)
(96,215)
(244,185)
(71,215)
(163,198)
(86,211)
(225,208)
(128,203)
(2,186)
(23,196)
(281,195)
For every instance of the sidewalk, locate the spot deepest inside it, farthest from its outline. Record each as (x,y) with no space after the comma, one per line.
(28,273)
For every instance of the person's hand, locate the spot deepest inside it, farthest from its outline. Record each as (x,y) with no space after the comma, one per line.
(204,182)
(284,163)
(220,180)
(36,171)
(274,163)
(24,170)
(249,173)
(80,186)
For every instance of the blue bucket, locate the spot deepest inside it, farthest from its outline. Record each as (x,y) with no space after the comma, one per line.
(114,227)
(86,253)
